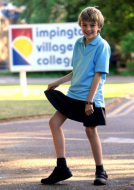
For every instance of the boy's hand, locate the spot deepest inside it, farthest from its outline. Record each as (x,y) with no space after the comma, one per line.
(89,109)
(52,86)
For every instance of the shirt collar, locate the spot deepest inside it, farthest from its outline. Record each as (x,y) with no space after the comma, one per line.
(94,42)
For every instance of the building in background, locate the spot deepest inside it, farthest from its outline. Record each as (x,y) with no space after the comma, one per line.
(9,14)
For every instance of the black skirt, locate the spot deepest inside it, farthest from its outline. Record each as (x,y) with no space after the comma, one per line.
(75,109)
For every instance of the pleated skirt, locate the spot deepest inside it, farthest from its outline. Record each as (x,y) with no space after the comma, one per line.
(75,109)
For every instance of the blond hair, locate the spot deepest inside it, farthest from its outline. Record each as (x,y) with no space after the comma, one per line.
(91,14)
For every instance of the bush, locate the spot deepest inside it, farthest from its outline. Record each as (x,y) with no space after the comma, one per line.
(127,73)
(44,74)
(113,69)
(128,43)
(130,64)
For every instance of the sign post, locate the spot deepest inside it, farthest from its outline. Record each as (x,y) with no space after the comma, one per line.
(23,83)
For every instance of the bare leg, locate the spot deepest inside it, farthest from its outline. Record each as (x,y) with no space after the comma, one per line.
(55,124)
(100,175)
(58,174)
(95,143)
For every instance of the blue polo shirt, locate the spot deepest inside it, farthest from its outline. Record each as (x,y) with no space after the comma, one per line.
(86,61)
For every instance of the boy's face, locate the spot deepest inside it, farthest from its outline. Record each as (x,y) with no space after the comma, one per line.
(89,30)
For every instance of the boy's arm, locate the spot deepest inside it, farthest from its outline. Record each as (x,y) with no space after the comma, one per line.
(60,81)
(94,86)
(64,79)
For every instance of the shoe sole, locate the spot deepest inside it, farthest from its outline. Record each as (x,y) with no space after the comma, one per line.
(100,182)
(67,177)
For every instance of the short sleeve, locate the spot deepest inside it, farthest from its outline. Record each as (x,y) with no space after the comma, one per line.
(102,58)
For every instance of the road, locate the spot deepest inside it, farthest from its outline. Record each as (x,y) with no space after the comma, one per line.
(27,153)
(16,80)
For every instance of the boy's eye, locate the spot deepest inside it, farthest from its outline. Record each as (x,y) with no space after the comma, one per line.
(92,25)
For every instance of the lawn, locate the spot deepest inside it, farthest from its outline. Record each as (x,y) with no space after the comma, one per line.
(13,104)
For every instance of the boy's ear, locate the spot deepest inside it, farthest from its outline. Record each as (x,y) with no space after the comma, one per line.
(99,29)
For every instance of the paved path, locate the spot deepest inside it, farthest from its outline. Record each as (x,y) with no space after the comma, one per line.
(27,153)
(15,80)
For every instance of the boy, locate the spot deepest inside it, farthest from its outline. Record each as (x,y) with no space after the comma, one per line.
(84,101)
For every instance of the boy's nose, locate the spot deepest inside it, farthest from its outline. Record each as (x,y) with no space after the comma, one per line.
(88,28)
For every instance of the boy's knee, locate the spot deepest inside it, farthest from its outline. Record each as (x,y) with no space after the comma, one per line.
(51,123)
(90,131)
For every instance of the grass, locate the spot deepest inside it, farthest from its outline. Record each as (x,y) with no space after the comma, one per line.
(11,109)
(13,104)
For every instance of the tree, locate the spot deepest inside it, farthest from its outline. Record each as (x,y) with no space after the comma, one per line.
(119,16)
(128,43)
(41,11)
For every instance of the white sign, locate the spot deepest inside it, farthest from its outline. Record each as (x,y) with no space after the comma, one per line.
(42,47)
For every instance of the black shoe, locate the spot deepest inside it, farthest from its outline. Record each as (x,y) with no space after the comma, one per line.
(101,178)
(57,175)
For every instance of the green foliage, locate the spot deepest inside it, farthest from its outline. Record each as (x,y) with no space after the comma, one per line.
(119,16)
(112,70)
(73,9)
(128,43)
(127,73)
(47,74)
(130,64)
(41,11)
